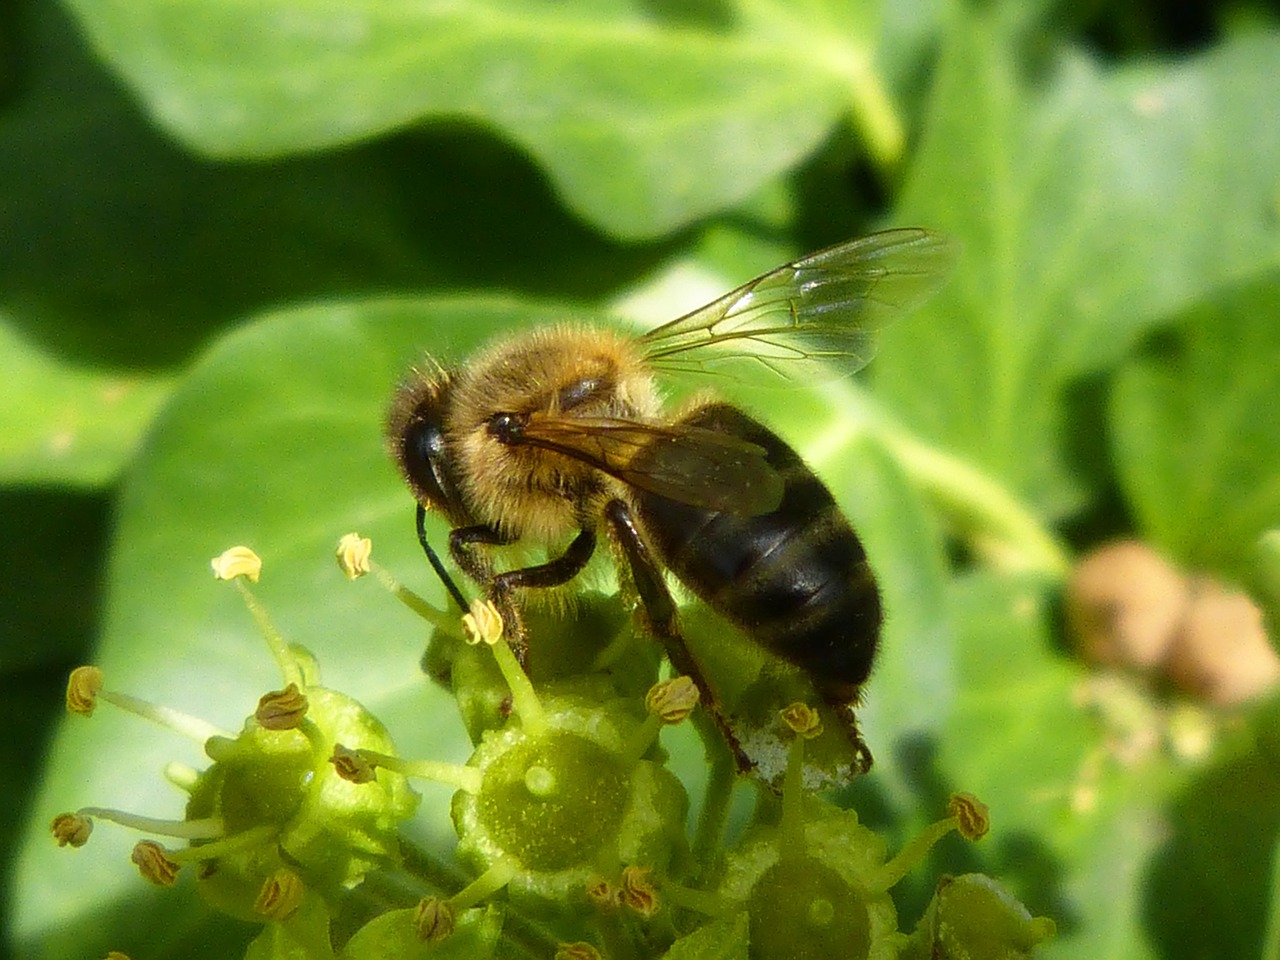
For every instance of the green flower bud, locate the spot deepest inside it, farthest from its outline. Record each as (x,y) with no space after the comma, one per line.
(816,884)
(330,829)
(557,803)
(593,655)
(818,902)
(971,917)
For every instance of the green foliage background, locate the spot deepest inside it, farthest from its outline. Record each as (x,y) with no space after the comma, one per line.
(227,228)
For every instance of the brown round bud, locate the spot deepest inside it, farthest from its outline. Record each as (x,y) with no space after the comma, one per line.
(352,765)
(577,951)
(281,895)
(82,690)
(638,891)
(483,624)
(672,700)
(603,894)
(1123,606)
(353,555)
(1222,654)
(802,720)
(237,562)
(154,863)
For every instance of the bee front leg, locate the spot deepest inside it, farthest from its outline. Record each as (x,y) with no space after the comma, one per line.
(463,542)
(659,611)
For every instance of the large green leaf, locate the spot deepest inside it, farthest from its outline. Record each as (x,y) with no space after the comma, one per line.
(66,423)
(1197,431)
(1090,202)
(273,440)
(122,251)
(645,116)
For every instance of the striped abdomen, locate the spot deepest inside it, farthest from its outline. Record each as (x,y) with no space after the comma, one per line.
(795,580)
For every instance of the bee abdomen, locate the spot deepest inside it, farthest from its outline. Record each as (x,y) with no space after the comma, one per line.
(796,580)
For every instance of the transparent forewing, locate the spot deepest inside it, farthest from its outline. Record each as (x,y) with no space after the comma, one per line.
(822,309)
(692,465)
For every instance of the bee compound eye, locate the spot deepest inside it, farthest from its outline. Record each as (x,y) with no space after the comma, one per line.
(424,452)
(424,442)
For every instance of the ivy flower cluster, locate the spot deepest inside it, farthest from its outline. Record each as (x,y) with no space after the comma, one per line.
(571,827)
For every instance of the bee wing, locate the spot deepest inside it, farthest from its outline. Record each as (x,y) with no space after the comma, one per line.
(692,465)
(823,307)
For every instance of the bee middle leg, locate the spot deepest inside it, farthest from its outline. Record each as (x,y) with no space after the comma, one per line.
(660,616)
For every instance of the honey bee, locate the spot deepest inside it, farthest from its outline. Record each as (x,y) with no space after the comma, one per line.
(558,435)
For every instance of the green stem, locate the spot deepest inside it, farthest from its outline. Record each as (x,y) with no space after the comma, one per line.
(446,879)
(791,828)
(185,724)
(485,885)
(524,699)
(205,829)
(438,771)
(999,523)
(641,739)
(715,808)
(874,113)
(702,901)
(444,622)
(913,853)
(280,651)
(247,840)
(618,945)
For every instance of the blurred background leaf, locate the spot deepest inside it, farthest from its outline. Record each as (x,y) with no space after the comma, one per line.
(120,249)
(645,115)
(1091,202)
(1197,430)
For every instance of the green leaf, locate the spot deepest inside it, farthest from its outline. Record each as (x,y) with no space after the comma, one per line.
(912,689)
(304,936)
(645,119)
(1211,884)
(67,424)
(1196,422)
(54,545)
(1090,202)
(123,252)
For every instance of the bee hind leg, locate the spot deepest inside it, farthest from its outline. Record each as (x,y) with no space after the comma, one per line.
(843,704)
(659,612)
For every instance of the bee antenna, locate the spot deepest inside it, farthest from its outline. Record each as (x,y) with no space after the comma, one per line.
(441,572)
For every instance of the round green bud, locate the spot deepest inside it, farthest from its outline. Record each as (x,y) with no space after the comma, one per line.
(802,909)
(552,802)
(819,901)
(971,917)
(279,786)
(559,802)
